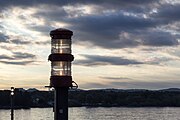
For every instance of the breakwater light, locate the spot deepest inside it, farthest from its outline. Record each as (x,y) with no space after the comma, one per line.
(61,79)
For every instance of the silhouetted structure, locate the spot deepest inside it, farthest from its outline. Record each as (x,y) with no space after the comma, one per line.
(12,103)
(61,78)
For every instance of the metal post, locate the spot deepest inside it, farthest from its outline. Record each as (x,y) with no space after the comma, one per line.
(12,103)
(61,103)
(12,107)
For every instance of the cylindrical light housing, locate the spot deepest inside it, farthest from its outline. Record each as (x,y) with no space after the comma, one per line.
(61,68)
(61,46)
(61,58)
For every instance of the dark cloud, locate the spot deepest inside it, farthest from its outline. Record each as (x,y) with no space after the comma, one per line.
(149,38)
(26,3)
(21,42)
(16,62)
(160,39)
(101,30)
(105,31)
(6,57)
(44,29)
(116,78)
(108,31)
(3,38)
(118,2)
(20,55)
(18,58)
(168,13)
(51,13)
(43,42)
(96,60)
(13,39)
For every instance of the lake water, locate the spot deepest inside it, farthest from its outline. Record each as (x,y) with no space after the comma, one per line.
(99,113)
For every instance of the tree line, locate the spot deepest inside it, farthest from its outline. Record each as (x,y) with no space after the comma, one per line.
(96,98)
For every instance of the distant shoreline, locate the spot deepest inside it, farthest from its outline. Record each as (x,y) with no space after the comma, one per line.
(33,98)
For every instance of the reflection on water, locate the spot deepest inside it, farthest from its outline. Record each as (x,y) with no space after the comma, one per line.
(99,113)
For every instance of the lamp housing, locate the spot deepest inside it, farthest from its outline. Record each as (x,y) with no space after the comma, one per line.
(61,58)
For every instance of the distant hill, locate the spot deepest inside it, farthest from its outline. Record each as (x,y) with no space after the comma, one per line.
(103,97)
(171,89)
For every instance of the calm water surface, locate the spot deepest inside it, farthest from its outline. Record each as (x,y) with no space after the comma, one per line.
(98,113)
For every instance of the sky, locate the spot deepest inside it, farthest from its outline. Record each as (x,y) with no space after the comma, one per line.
(124,44)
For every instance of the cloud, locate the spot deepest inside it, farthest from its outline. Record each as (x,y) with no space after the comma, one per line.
(6,57)
(16,62)
(120,28)
(107,31)
(25,3)
(18,58)
(150,38)
(168,13)
(43,42)
(160,39)
(3,38)
(121,31)
(147,85)
(133,84)
(160,59)
(96,60)
(106,28)
(19,41)
(13,39)
(116,78)
(101,29)
(43,29)
(20,55)
(93,85)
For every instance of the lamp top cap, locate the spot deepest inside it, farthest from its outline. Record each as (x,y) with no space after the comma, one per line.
(61,31)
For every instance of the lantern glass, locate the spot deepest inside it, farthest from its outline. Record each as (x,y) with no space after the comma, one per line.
(61,46)
(61,68)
